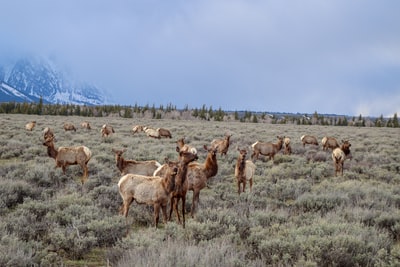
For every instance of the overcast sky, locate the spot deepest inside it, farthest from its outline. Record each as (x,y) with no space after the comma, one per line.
(329,56)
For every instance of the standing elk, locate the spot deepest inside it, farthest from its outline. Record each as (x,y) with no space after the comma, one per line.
(106,130)
(287,147)
(329,143)
(154,190)
(267,149)
(65,156)
(30,125)
(133,166)
(181,185)
(48,133)
(222,144)
(185,147)
(339,155)
(69,127)
(199,173)
(309,139)
(244,171)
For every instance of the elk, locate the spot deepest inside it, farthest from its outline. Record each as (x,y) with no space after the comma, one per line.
(339,154)
(164,133)
(137,129)
(86,125)
(30,125)
(267,149)
(181,185)
(309,139)
(222,144)
(151,190)
(65,156)
(199,173)
(185,147)
(288,148)
(48,133)
(150,132)
(106,130)
(244,170)
(329,143)
(132,166)
(69,127)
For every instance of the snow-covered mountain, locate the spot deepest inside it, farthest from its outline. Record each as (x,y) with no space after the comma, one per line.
(29,79)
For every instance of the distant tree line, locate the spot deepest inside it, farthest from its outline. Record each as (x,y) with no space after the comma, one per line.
(203,113)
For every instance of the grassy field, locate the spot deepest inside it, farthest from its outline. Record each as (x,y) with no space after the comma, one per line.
(298,213)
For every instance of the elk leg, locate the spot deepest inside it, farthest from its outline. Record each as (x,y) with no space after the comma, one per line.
(164,213)
(251,183)
(156,214)
(183,209)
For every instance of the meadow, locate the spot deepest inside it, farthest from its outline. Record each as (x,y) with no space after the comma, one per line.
(298,214)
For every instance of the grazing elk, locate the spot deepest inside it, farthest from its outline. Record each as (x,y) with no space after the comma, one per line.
(65,156)
(86,125)
(69,127)
(151,190)
(181,185)
(244,170)
(267,149)
(329,143)
(30,125)
(339,155)
(222,144)
(185,147)
(287,147)
(309,139)
(164,133)
(133,166)
(199,173)
(106,130)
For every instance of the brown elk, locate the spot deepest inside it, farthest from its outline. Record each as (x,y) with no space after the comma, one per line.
(48,133)
(150,190)
(181,185)
(287,147)
(222,144)
(267,149)
(65,156)
(164,133)
(185,147)
(339,155)
(244,171)
(133,166)
(30,125)
(69,127)
(309,139)
(106,130)
(86,125)
(329,143)
(199,173)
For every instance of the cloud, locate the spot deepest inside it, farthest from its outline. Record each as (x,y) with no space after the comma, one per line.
(325,56)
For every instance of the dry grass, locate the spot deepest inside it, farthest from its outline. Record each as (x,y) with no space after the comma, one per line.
(299,213)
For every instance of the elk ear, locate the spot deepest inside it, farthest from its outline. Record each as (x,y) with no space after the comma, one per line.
(178,149)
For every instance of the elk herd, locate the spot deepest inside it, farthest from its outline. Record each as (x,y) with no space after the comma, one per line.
(152,183)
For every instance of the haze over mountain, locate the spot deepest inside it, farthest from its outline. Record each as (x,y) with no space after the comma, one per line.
(30,78)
